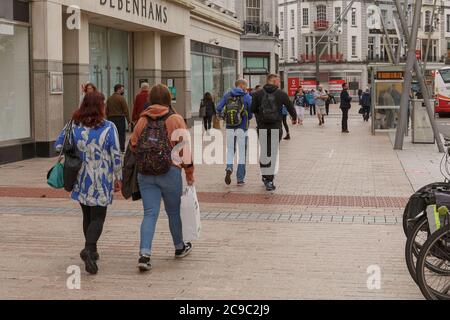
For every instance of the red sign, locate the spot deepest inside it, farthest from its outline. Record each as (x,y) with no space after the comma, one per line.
(335,86)
(308,85)
(293,84)
(418,54)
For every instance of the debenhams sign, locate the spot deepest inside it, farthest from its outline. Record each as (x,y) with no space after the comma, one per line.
(144,8)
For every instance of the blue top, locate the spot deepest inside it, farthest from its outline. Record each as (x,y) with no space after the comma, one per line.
(247,116)
(311,98)
(100,152)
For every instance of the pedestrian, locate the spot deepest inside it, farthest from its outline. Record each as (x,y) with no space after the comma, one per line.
(235,109)
(331,99)
(285,114)
(207,110)
(321,98)
(360,92)
(140,102)
(345,107)
(87,88)
(117,112)
(159,171)
(312,102)
(299,104)
(366,102)
(97,142)
(267,106)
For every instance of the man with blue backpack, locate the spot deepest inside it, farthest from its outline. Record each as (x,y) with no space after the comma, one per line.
(235,110)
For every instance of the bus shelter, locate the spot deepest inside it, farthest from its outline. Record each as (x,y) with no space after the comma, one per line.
(387,87)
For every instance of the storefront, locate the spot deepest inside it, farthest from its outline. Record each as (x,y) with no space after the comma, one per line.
(15,107)
(106,42)
(213,70)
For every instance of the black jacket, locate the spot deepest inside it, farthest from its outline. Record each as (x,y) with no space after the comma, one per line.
(345,100)
(209,109)
(281,98)
(130,186)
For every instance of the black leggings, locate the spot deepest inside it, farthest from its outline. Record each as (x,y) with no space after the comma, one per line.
(285,124)
(93,220)
(120,123)
(207,121)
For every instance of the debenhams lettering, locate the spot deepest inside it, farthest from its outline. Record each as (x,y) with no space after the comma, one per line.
(143,8)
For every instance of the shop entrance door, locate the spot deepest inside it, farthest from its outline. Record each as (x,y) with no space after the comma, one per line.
(109,60)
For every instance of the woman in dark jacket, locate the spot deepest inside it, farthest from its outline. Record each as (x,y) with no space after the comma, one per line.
(207,110)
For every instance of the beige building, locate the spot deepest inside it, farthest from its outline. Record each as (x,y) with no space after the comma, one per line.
(48,49)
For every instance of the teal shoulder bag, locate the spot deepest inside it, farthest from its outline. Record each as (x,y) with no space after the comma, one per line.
(55,176)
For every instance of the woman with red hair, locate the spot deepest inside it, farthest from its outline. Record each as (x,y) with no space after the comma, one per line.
(101,172)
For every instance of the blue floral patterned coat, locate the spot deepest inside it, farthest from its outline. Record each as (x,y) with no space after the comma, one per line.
(100,152)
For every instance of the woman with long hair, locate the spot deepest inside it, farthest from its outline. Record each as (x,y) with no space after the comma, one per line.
(101,172)
(156,134)
(207,110)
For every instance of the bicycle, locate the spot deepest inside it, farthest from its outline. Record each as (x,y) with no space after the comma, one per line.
(436,252)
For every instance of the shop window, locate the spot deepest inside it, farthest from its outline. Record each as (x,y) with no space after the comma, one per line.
(15,122)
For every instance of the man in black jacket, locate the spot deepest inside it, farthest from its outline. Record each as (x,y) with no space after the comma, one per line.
(345,107)
(267,105)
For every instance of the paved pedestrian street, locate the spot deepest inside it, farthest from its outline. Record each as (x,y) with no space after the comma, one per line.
(335,217)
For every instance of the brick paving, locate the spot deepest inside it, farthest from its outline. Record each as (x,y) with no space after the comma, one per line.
(337,210)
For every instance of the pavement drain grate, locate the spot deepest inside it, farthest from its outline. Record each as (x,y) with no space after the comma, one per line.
(363,219)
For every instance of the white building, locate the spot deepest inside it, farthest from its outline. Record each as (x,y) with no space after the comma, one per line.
(260,47)
(354,46)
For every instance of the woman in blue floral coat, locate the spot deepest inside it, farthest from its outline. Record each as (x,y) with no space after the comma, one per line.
(101,172)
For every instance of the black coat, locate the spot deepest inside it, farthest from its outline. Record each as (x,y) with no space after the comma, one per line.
(345,100)
(209,109)
(130,186)
(281,98)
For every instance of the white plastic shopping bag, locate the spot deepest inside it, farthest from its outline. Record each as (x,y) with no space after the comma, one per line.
(190,214)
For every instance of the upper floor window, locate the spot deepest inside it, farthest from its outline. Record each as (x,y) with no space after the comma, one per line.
(254,11)
(448,23)
(427,18)
(353,16)
(305,17)
(321,12)
(281,20)
(337,13)
(292,19)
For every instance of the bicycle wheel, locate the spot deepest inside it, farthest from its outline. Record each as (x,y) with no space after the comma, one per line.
(435,251)
(417,237)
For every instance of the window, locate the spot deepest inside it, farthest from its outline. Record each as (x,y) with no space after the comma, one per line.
(321,13)
(293,55)
(292,19)
(427,18)
(307,47)
(254,11)
(353,16)
(384,14)
(305,17)
(371,52)
(353,46)
(281,20)
(337,13)
(448,23)
(15,121)
(282,47)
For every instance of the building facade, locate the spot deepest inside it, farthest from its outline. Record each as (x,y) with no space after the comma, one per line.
(355,44)
(260,46)
(49,49)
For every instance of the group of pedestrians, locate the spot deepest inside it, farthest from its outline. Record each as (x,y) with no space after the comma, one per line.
(94,133)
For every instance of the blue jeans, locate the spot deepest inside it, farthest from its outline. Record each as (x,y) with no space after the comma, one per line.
(239,138)
(170,187)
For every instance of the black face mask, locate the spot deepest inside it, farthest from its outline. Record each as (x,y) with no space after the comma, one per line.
(123,93)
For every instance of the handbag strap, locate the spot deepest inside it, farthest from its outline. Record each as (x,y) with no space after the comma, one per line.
(67,138)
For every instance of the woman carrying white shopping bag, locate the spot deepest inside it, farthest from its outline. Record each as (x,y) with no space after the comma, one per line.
(190,214)
(159,174)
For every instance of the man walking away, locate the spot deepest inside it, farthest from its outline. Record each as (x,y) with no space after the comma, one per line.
(235,109)
(345,107)
(140,102)
(321,97)
(117,113)
(267,106)
(312,102)
(366,102)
